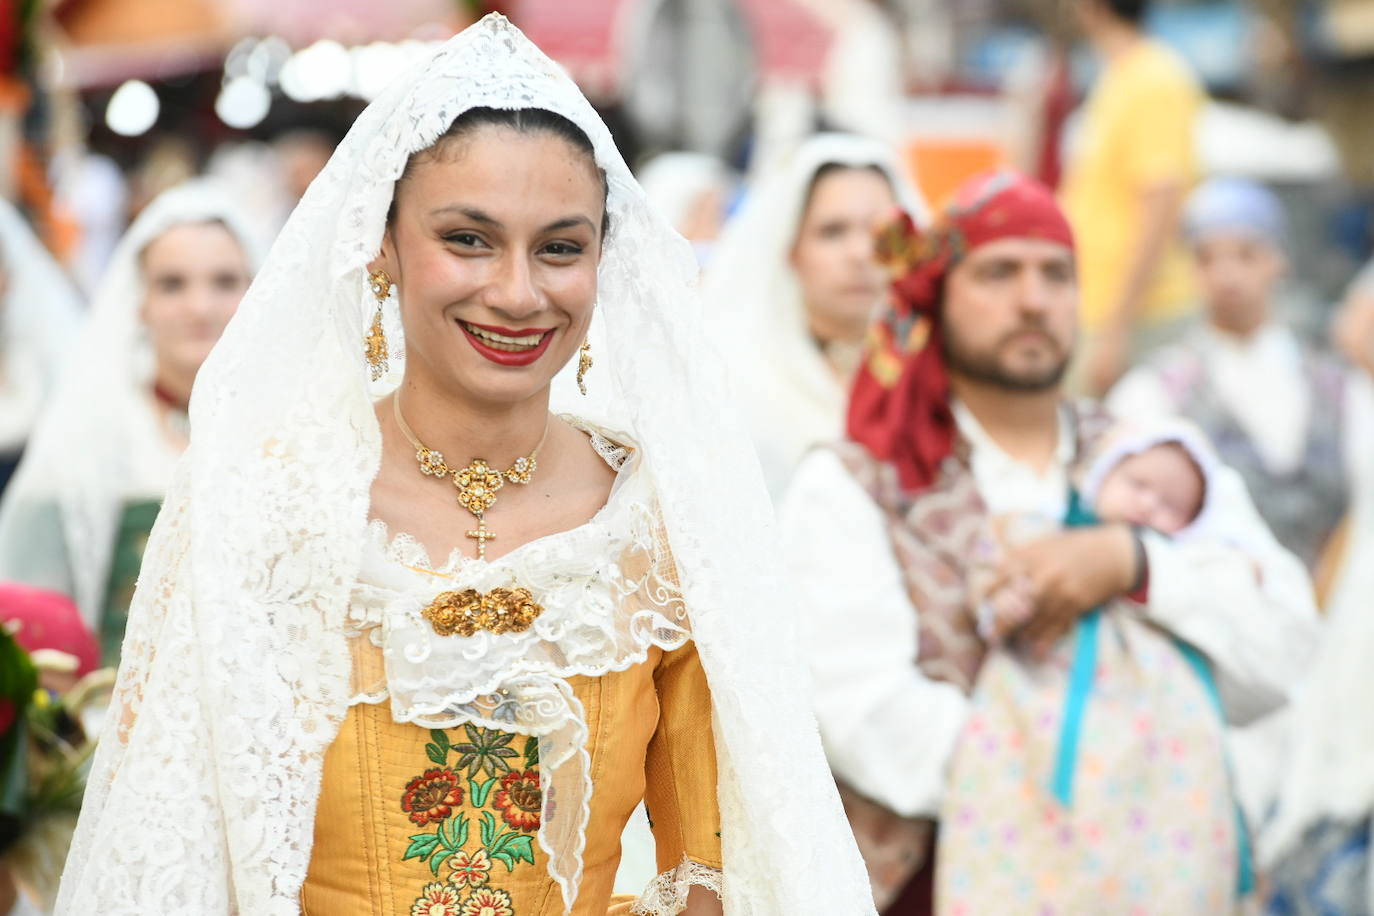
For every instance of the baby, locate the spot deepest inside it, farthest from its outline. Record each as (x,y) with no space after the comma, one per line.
(1157,479)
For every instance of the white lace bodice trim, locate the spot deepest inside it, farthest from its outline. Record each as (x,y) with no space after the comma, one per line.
(666,895)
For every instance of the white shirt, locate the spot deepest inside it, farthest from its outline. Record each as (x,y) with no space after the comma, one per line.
(889,731)
(1011,487)
(1259,380)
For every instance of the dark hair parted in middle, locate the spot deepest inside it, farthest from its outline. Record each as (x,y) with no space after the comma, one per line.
(522,120)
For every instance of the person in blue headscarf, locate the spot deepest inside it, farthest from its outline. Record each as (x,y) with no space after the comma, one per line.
(1286,414)
(1276,406)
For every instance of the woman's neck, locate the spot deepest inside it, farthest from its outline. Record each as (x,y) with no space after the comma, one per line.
(172,384)
(463,429)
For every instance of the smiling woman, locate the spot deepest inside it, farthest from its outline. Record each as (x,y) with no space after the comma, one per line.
(459,635)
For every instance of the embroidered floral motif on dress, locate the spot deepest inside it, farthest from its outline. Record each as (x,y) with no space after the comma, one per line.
(435,798)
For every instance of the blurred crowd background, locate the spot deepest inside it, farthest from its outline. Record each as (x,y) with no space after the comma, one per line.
(718,104)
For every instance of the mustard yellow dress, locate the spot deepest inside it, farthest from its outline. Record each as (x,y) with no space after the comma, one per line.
(446,821)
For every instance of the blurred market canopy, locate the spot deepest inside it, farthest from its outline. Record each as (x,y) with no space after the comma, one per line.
(104,42)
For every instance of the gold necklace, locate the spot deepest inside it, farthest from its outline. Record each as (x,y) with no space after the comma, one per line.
(478,482)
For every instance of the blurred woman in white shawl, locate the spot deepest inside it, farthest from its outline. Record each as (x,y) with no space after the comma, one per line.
(79,510)
(793,284)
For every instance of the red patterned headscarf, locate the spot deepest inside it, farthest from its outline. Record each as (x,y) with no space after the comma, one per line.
(899,406)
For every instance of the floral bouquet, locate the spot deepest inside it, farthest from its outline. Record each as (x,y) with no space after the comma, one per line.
(44,748)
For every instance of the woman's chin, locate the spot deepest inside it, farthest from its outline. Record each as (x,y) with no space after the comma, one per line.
(505,387)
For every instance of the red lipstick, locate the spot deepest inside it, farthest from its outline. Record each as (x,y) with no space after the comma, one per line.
(502,357)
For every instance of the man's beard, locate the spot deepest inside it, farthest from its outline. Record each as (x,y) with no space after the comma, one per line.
(985,367)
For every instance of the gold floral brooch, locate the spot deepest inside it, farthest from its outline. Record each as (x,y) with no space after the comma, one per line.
(501,610)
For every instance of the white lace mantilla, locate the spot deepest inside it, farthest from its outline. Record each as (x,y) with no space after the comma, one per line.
(608,594)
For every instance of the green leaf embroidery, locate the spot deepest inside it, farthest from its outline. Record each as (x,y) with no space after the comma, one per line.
(421,845)
(499,844)
(462,831)
(531,753)
(488,829)
(523,847)
(438,860)
(511,849)
(440,738)
(436,753)
(479,793)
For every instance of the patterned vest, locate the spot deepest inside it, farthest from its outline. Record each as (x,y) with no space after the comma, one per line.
(934,536)
(1303,507)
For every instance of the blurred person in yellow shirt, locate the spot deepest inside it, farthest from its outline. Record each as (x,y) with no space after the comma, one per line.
(1133,164)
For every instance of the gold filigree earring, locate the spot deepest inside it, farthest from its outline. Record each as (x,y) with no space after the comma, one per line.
(584,362)
(374,344)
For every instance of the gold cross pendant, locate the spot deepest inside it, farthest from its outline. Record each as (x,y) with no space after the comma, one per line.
(481,535)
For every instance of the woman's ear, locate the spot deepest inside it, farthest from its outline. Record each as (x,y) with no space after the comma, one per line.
(386,257)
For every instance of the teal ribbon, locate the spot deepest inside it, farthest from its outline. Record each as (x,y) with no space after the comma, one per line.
(1082,670)
(1245,880)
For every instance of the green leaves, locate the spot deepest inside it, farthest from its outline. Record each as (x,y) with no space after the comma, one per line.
(488,829)
(421,845)
(451,837)
(513,848)
(486,750)
(507,847)
(480,792)
(438,751)
(485,755)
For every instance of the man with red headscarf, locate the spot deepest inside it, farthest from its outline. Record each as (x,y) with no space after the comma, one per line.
(957,422)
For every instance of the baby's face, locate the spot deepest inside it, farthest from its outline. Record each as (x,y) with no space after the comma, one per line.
(1160,487)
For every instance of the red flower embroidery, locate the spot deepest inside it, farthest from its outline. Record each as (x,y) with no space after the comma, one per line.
(489,902)
(519,799)
(432,797)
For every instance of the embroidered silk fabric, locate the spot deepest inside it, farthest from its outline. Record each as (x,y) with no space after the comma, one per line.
(236,673)
(404,807)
